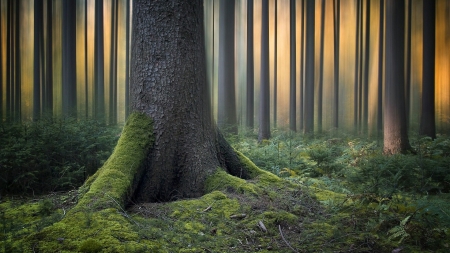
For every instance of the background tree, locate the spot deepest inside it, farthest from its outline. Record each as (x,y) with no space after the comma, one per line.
(365,83)
(380,70)
(275,68)
(309,77)
(99,68)
(264,99)
(250,69)
(113,63)
(356,90)
(427,116)
(395,129)
(293,69)
(302,66)
(337,24)
(168,83)
(320,87)
(226,117)
(69,66)
(37,64)
(47,101)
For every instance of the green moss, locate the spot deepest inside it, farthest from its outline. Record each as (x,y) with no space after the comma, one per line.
(120,173)
(221,180)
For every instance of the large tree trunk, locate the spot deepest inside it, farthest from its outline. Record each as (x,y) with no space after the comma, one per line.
(168,83)
(395,132)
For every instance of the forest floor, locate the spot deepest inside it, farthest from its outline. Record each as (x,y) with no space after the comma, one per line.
(332,194)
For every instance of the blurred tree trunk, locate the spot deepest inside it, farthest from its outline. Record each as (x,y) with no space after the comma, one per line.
(427,118)
(113,64)
(320,88)
(337,25)
(99,90)
(380,70)
(47,101)
(127,58)
(17,83)
(302,66)
(226,117)
(293,70)
(38,54)
(250,69)
(356,105)
(275,68)
(408,62)
(365,95)
(309,78)
(264,104)
(69,60)
(168,83)
(395,129)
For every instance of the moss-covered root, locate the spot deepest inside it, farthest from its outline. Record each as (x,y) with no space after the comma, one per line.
(115,182)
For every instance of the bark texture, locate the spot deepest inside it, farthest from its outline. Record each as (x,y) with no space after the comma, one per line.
(264,104)
(168,83)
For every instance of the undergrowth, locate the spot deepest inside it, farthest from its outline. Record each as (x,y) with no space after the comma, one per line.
(337,194)
(52,154)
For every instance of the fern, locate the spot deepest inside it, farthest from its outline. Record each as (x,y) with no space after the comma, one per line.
(400,230)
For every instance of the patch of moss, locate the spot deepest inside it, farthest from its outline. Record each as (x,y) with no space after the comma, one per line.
(221,180)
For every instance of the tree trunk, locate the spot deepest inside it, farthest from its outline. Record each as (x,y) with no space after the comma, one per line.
(293,70)
(37,67)
(264,100)
(226,118)
(427,119)
(127,58)
(337,25)
(380,71)
(365,97)
(357,66)
(17,84)
(250,69)
(113,65)
(69,66)
(99,90)
(48,88)
(309,79)
(320,88)
(302,66)
(168,83)
(275,69)
(408,62)
(395,132)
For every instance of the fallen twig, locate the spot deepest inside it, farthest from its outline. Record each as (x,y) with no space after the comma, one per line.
(282,236)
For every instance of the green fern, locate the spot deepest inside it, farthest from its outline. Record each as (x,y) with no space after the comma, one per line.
(399,231)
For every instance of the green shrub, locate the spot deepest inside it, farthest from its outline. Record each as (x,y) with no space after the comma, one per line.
(52,154)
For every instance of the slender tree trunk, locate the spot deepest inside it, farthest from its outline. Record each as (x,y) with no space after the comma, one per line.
(357,66)
(250,68)
(427,119)
(380,71)
(48,88)
(127,58)
(264,106)
(37,73)
(395,132)
(320,90)
(365,97)
(99,89)
(9,60)
(337,25)
(408,62)
(17,63)
(309,78)
(113,65)
(226,117)
(69,66)
(302,66)
(86,57)
(168,83)
(293,70)
(275,69)
(1,69)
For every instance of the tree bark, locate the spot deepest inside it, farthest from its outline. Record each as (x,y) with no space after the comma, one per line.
(427,119)
(250,69)
(127,58)
(302,66)
(226,118)
(275,68)
(395,132)
(264,104)
(356,107)
(113,65)
(37,67)
(48,86)
(309,78)
(380,71)
(293,70)
(365,97)
(168,83)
